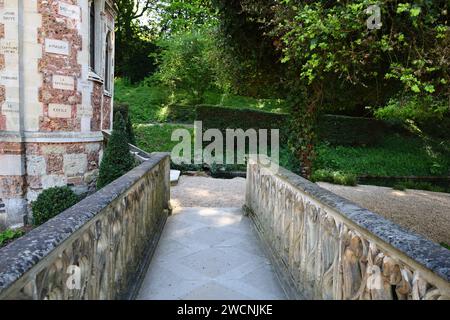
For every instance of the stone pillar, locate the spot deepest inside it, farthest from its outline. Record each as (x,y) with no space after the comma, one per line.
(12,158)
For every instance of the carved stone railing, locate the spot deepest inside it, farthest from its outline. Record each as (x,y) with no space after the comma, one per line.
(325,247)
(99,248)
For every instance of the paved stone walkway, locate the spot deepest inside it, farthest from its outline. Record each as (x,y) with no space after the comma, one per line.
(210,254)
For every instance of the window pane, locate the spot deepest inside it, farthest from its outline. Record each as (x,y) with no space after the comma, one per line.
(92,35)
(107,62)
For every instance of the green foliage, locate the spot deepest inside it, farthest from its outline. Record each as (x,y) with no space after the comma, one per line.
(150,102)
(445,245)
(134,42)
(415,185)
(157,138)
(399,187)
(329,54)
(179,16)
(352,131)
(334,177)
(136,59)
(9,235)
(289,161)
(123,109)
(145,102)
(217,117)
(416,108)
(117,160)
(52,202)
(241,102)
(180,114)
(395,156)
(250,63)
(326,39)
(185,65)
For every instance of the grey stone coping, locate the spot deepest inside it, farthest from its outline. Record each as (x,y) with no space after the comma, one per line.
(21,255)
(425,252)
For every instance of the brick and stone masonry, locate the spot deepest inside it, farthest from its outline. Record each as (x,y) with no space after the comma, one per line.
(53,102)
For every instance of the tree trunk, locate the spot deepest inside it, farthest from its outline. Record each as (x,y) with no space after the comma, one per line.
(304,123)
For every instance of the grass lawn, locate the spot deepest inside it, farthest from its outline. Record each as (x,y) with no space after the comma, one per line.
(147,103)
(233,101)
(396,156)
(156,138)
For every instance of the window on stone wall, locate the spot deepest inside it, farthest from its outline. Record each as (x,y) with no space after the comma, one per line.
(108,62)
(92,23)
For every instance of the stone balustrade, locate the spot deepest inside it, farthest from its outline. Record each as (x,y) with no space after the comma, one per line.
(325,247)
(99,248)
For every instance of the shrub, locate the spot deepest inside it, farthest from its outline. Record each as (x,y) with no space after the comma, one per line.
(399,187)
(418,185)
(123,109)
(117,159)
(445,245)
(52,202)
(334,177)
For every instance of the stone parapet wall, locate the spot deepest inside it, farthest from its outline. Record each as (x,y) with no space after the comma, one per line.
(325,247)
(108,238)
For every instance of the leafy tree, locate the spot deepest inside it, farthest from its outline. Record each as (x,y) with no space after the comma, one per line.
(135,43)
(128,12)
(324,43)
(185,64)
(117,160)
(247,53)
(181,16)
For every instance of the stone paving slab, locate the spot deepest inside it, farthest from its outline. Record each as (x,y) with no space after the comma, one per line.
(210,254)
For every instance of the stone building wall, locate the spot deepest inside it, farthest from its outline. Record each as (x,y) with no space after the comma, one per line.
(53,105)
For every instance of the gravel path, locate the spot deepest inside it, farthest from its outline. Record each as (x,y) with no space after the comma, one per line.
(423,212)
(208,193)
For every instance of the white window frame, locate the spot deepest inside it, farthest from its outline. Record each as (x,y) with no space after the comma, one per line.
(95,73)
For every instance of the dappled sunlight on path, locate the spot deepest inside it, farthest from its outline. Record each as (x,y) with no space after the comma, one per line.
(210,253)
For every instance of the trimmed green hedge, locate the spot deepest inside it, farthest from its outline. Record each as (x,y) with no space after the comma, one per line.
(227,118)
(222,118)
(336,130)
(181,114)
